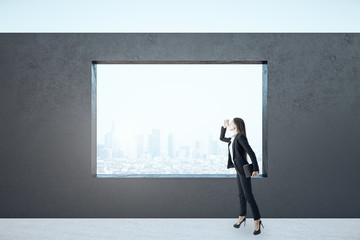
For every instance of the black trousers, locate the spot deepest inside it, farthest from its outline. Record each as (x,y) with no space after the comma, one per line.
(246,195)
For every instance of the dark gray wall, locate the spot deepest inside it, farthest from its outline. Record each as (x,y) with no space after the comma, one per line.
(313,126)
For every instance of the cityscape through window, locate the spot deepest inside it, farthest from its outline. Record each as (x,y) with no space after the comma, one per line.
(165,119)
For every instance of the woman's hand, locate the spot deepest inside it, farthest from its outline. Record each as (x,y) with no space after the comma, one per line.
(226,123)
(254,174)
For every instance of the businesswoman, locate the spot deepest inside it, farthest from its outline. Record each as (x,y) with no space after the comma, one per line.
(237,157)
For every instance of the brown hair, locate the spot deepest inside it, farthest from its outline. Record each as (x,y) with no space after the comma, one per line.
(240,125)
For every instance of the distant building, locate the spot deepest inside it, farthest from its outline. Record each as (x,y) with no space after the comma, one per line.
(154,143)
(170,146)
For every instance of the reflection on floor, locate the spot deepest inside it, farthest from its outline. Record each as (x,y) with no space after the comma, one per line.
(177,228)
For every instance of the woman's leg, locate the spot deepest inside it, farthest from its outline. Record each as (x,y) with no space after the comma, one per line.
(246,184)
(242,211)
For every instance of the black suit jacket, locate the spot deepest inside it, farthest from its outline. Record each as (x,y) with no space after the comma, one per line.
(240,146)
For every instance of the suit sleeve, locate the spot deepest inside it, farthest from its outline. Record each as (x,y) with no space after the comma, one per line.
(222,135)
(245,144)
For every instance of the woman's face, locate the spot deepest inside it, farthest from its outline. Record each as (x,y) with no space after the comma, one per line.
(232,126)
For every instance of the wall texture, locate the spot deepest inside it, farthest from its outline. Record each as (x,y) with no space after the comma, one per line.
(45,140)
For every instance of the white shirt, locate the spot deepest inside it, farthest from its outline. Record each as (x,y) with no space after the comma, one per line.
(230,146)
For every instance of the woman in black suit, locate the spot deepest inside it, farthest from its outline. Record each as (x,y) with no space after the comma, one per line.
(237,157)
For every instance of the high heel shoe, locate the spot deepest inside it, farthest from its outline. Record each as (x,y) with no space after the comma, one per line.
(256,232)
(238,225)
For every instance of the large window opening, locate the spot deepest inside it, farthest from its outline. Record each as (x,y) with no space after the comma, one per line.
(164,120)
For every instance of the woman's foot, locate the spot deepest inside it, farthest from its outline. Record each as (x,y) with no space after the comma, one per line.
(257,226)
(240,221)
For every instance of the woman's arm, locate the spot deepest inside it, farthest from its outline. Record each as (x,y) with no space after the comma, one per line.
(245,144)
(222,135)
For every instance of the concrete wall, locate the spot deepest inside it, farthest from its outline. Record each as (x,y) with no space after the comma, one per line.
(313,126)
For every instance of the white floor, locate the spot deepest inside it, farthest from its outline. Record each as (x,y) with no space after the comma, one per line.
(177,228)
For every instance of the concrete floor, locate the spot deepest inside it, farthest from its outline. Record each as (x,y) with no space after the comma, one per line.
(177,228)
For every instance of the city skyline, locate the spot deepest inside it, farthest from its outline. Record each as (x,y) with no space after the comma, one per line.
(147,158)
(146,139)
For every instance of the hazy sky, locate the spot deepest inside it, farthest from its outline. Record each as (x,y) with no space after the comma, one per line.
(180,16)
(189,100)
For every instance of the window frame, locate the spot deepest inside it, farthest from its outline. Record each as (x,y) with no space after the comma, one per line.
(264,161)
